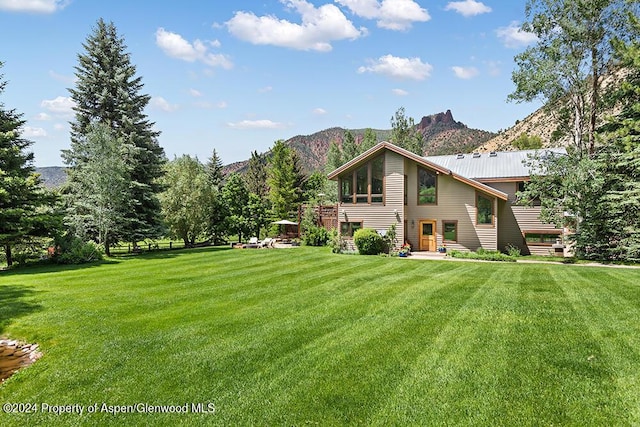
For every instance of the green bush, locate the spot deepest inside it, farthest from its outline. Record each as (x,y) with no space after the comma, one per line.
(315,236)
(75,251)
(483,254)
(368,241)
(337,244)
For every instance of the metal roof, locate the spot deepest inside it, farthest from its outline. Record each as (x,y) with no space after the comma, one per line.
(499,164)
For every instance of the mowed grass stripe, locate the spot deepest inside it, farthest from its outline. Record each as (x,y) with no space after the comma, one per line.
(304,336)
(610,311)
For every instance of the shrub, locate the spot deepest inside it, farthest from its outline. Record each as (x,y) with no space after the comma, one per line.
(483,254)
(368,241)
(513,251)
(315,236)
(75,251)
(337,244)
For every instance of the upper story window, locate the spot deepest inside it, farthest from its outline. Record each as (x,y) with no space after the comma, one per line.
(484,210)
(365,184)
(427,187)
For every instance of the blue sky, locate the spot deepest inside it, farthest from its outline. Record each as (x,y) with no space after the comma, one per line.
(238,75)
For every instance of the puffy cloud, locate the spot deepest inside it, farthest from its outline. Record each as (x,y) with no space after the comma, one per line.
(468,7)
(256,124)
(399,68)
(319,111)
(61,105)
(195,93)
(162,104)
(33,6)
(319,27)
(175,46)
(465,72)
(42,117)
(400,92)
(390,14)
(31,132)
(513,37)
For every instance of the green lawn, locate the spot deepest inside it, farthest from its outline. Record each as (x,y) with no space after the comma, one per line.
(302,336)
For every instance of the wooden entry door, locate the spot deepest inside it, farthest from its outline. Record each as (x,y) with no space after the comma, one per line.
(428,235)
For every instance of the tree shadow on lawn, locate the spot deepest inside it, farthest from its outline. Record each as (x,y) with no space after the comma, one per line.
(51,267)
(173,253)
(14,303)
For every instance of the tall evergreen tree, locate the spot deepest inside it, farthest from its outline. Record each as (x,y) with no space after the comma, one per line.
(349,148)
(236,200)
(107,91)
(21,196)
(214,170)
(256,176)
(281,178)
(369,140)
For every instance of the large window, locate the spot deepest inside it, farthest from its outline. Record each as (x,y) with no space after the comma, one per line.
(348,228)
(365,184)
(484,208)
(427,187)
(541,238)
(450,231)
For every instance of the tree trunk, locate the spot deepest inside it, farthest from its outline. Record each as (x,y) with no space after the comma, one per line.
(7,253)
(107,249)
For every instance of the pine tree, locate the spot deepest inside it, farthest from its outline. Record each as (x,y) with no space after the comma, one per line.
(214,169)
(349,149)
(108,92)
(256,176)
(21,196)
(369,140)
(281,178)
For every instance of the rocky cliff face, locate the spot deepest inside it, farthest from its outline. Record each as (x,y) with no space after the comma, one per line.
(442,135)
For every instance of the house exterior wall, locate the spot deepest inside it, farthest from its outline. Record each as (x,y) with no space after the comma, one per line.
(456,201)
(516,220)
(381,216)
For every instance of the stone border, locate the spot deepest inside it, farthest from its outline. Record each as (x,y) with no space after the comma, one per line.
(15,355)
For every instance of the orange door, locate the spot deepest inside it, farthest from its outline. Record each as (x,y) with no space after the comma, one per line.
(427,236)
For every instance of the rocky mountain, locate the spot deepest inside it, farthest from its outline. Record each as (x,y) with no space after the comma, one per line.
(442,135)
(52,176)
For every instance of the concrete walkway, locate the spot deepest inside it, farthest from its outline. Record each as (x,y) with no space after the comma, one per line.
(437,256)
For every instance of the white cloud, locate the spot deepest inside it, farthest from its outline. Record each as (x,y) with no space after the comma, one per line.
(175,46)
(399,68)
(319,111)
(465,72)
(61,105)
(265,89)
(33,6)
(468,7)
(319,27)
(256,124)
(513,37)
(42,117)
(400,92)
(221,104)
(59,127)
(31,132)
(390,14)
(162,104)
(195,93)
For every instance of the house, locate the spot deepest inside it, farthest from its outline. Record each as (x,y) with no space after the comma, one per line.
(464,201)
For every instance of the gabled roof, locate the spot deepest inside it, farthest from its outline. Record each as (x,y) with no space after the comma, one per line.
(494,165)
(382,146)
